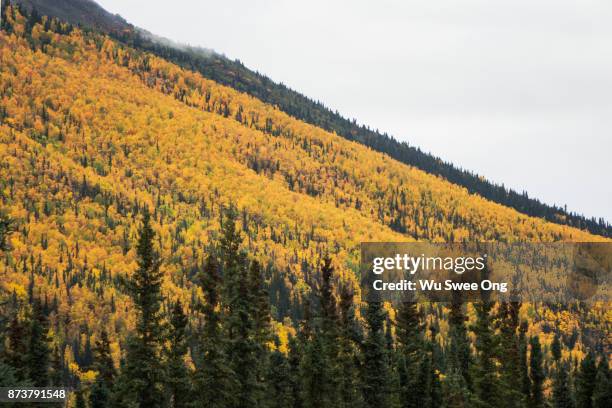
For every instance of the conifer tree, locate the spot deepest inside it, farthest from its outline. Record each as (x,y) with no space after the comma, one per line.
(38,348)
(239,328)
(143,380)
(561,394)
(411,352)
(349,352)
(510,358)
(7,224)
(262,332)
(585,382)
(536,372)
(101,390)
(178,384)
(213,377)
(279,392)
(459,357)
(375,363)
(602,391)
(486,386)
(17,347)
(294,359)
(523,365)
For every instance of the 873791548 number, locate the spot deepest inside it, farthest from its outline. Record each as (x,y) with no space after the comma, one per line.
(33,394)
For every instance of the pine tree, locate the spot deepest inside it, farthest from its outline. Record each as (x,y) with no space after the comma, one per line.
(178,384)
(80,400)
(375,367)
(510,358)
(294,359)
(409,331)
(143,380)
(486,385)
(15,353)
(536,372)
(262,332)
(523,366)
(561,394)
(240,345)
(7,224)
(213,377)
(585,382)
(322,352)
(459,358)
(278,379)
(602,391)
(349,353)
(38,349)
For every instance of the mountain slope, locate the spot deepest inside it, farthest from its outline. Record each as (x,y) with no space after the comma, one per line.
(83,12)
(237,76)
(92,131)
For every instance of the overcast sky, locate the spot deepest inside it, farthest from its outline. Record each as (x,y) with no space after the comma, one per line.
(518,90)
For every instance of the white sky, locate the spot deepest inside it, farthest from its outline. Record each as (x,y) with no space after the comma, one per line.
(518,90)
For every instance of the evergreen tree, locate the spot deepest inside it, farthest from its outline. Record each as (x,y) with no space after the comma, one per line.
(38,349)
(349,353)
(536,372)
(16,352)
(213,378)
(321,353)
(239,327)
(80,399)
(294,359)
(7,224)
(279,386)
(409,331)
(523,366)
(100,394)
(486,386)
(509,357)
(178,384)
(561,394)
(262,332)
(585,382)
(459,357)
(142,385)
(602,391)
(375,363)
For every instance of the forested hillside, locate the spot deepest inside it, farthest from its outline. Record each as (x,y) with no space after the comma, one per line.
(234,74)
(159,226)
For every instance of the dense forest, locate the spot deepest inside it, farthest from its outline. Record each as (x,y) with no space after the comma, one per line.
(170,241)
(235,75)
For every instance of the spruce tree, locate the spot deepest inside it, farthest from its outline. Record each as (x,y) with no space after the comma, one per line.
(409,331)
(536,372)
(100,394)
(262,332)
(486,385)
(509,357)
(375,363)
(459,355)
(523,365)
(561,393)
(279,392)
(143,382)
(294,359)
(178,384)
(15,353)
(322,351)
(213,377)
(602,391)
(7,224)
(349,358)
(38,348)
(241,347)
(585,382)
